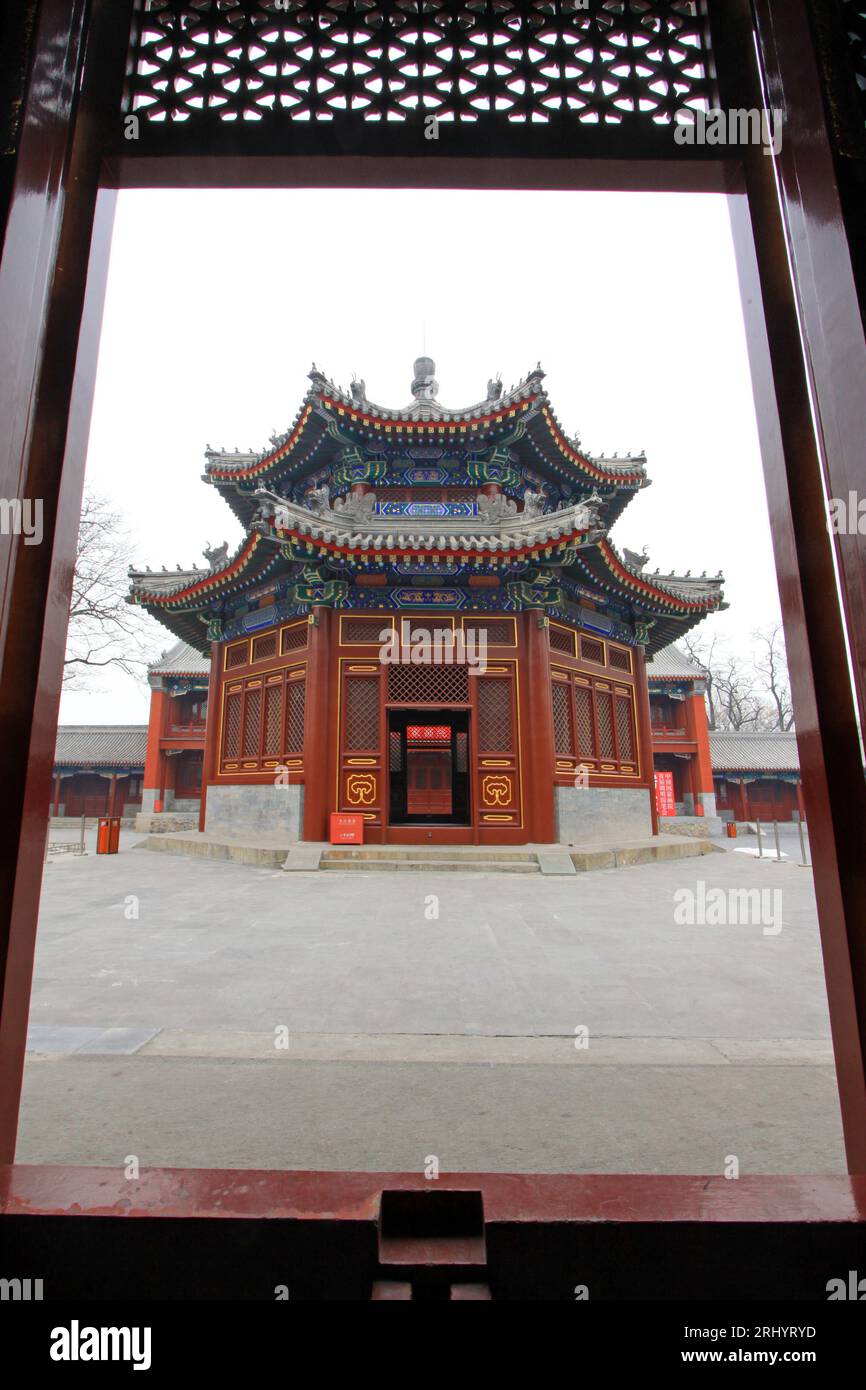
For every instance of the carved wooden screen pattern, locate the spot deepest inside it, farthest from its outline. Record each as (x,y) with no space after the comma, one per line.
(561,640)
(426,685)
(237,655)
(593,722)
(592,650)
(293,638)
(563,738)
(364,630)
(263,721)
(212,62)
(500,632)
(495,726)
(361,715)
(264,646)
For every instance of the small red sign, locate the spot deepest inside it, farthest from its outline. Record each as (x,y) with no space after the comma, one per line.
(346,829)
(665,801)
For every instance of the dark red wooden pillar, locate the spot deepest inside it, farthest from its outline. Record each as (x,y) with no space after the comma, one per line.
(52,272)
(318,740)
(538,754)
(790,218)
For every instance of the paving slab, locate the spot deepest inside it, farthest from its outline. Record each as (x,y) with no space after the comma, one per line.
(426,1009)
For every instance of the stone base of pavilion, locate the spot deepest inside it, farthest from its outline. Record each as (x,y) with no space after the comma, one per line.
(274,851)
(701,826)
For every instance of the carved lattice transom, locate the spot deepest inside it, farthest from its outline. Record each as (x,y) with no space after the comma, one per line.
(426,685)
(219,61)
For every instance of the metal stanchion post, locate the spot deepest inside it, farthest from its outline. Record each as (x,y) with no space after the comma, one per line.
(760,846)
(802,842)
(81,849)
(776,838)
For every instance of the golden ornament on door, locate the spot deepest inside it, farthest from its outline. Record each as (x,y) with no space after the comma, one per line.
(361,789)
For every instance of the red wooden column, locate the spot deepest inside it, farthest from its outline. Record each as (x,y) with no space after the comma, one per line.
(644,731)
(701,766)
(538,756)
(52,278)
(55,799)
(210,756)
(322,675)
(160,708)
(808,362)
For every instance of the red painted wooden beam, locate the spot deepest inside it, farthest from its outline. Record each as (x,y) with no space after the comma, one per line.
(531,1198)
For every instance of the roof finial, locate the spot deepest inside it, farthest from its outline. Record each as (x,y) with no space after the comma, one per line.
(425,387)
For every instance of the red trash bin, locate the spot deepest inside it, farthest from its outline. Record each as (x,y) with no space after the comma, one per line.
(108,835)
(731,830)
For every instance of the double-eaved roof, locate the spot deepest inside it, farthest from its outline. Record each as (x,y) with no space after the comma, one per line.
(562,526)
(522,417)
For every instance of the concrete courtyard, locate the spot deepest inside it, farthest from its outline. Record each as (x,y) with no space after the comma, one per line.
(194,1013)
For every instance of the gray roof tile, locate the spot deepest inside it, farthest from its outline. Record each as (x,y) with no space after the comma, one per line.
(754,752)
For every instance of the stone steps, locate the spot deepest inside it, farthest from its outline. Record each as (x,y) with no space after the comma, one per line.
(273,852)
(386,863)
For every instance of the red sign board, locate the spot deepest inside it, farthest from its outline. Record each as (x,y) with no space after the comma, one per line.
(346,830)
(665,802)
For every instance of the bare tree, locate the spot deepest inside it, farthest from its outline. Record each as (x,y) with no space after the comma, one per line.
(738,696)
(745,690)
(771,663)
(104,630)
(702,651)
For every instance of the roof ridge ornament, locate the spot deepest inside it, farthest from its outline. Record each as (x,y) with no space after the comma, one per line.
(425,387)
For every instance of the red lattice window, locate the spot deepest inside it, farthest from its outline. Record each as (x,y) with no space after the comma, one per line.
(500,631)
(495,734)
(295,697)
(238,655)
(561,640)
(592,650)
(624,728)
(428,685)
(364,629)
(264,647)
(619,658)
(252,722)
(361,719)
(562,741)
(273,716)
(232,726)
(583,714)
(604,715)
(292,639)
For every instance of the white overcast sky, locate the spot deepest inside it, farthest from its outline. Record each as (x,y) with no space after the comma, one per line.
(218,302)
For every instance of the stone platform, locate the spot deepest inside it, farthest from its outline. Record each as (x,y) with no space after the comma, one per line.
(276,852)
